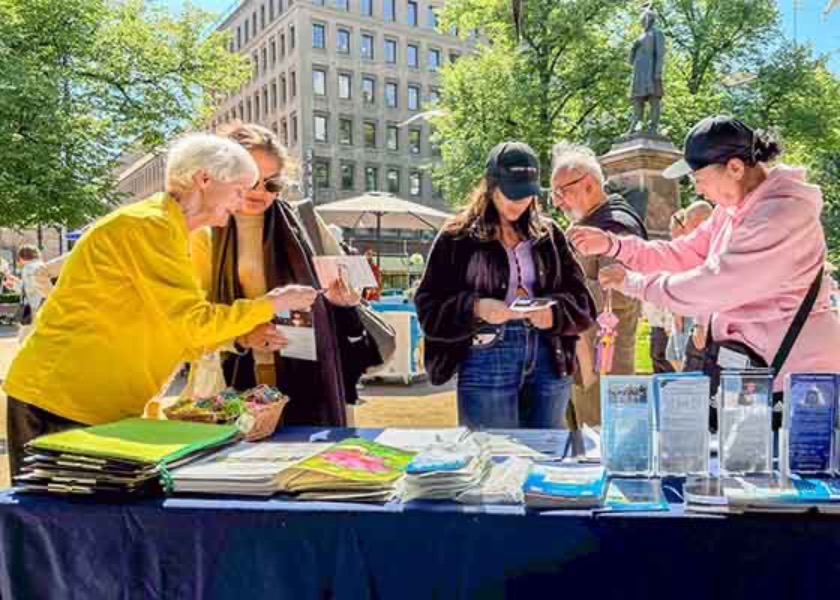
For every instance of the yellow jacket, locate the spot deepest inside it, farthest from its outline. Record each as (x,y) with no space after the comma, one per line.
(127,309)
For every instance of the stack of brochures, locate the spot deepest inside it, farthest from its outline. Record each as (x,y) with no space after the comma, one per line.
(444,471)
(502,485)
(126,458)
(353,470)
(681,416)
(807,440)
(635,495)
(247,469)
(627,423)
(565,486)
(417,440)
(771,492)
(745,409)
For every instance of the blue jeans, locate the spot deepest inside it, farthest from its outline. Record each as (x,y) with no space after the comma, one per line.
(511,381)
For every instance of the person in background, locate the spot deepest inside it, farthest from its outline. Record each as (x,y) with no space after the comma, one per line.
(661,323)
(31,296)
(695,326)
(266,246)
(127,309)
(578,190)
(750,265)
(514,368)
(373,294)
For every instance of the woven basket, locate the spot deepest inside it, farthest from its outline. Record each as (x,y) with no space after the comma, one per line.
(266,416)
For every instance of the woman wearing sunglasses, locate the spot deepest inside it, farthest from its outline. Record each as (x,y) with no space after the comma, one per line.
(514,368)
(262,247)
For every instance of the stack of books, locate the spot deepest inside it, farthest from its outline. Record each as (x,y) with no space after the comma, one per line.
(351,470)
(569,486)
(246,469)
(773,493)
(128,458)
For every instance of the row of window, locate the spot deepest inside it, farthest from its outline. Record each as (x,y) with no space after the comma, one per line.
(367,44)
(391,89)
(347,177)
(391,11)
(346,134)
(247,28)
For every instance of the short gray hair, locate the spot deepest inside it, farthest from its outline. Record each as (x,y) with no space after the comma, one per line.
(565,156)
(223,159)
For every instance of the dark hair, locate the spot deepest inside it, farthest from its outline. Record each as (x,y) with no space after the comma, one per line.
(28,253)
(480,218)
(766,147)
(256,137)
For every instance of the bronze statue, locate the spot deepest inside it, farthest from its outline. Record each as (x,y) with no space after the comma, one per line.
(648,60)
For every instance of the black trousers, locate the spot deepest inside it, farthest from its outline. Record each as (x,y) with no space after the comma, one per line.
(658,345)
(25,422)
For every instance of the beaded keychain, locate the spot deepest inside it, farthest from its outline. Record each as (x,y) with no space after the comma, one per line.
(607,333)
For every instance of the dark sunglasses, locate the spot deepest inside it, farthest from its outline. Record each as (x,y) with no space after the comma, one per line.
(272,185)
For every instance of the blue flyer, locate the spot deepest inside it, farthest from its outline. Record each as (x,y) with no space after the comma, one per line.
(627,425)
(810,405)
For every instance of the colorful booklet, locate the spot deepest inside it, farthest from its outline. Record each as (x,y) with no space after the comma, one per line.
(745,430)
(565,486)
(627,425)
(809,423)
(681,403)
(635,495)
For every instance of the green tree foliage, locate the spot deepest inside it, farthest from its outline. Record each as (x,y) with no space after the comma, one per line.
(81,82)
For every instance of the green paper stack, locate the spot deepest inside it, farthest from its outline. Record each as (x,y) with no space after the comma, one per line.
(129,458)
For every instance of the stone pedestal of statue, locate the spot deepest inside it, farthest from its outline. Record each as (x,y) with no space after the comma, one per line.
(634,166)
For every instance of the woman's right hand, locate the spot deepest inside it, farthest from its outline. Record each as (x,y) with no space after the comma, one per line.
(590,241)
(263,337)
(494,311)
(292,297)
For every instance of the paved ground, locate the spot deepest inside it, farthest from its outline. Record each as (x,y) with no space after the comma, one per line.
(382,405)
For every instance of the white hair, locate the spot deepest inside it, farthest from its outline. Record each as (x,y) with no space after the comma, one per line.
(565,156)
(223,159)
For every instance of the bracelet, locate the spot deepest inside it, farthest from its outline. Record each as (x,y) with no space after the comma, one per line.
(613,241)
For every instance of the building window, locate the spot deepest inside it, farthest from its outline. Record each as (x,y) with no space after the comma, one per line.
(271,10)
(389,10)
(273,46)
(262,16)
(319,82)
(412,13)
(393,178)
(318,35)
(391,51)
(282,45)
(348,170)
(264,54)
(343,41)
(345,132)
(413,55)
(255,61)
(434,59)
(246,31)
(368,89)
(238,38)
(434,96)
(371,179)
(342,4)
(265,99)
(367,46)
(320,128)
(414,141)
(254,24)
(391,91)
(366,7)
(431,17)
(453,57)
(370,134)
(392,137)
(284,132)
(248,110)
(413,97)
(283,90)
(274,95)
(293,91)
(294,129)
(345,85)
(414,187)
(257,105)
(321,174)
(291,37)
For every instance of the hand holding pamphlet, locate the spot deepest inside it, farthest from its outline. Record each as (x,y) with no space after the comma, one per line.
(354,270)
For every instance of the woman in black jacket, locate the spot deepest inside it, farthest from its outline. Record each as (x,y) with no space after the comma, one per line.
(514,368)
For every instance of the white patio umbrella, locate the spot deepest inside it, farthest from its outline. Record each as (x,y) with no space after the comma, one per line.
(379,210)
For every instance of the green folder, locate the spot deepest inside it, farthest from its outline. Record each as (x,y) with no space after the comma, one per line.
(146,441)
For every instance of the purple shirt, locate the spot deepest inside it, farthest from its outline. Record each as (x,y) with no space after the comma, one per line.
(522,272)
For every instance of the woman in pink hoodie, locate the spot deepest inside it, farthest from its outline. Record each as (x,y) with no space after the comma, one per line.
(749,266)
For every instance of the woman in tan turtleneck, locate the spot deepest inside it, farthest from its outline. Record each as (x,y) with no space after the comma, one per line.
(262,247)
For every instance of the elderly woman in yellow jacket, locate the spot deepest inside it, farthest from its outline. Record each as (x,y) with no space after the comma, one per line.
(128,308)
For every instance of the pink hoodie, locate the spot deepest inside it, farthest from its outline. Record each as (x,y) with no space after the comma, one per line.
(749,268)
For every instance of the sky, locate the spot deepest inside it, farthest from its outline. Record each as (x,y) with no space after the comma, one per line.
(806,22)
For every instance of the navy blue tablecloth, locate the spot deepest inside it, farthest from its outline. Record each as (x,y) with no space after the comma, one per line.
(183,548)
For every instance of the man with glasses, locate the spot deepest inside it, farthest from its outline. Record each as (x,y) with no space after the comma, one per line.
(577,188)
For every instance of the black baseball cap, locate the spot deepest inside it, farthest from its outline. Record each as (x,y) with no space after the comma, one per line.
(713,141)
(517,169)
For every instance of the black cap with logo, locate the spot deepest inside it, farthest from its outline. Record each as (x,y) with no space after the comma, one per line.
(516,168)
(713,141)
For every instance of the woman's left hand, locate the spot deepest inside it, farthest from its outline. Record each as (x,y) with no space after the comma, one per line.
(340,294)
(612,277)
(542,319)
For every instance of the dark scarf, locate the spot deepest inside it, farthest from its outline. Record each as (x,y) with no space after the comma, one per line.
(315,389)
(617,216)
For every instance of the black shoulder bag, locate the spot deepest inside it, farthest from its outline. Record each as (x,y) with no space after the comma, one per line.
(712,368)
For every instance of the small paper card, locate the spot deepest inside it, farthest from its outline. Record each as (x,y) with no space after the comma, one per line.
(298,329)
(355,270)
